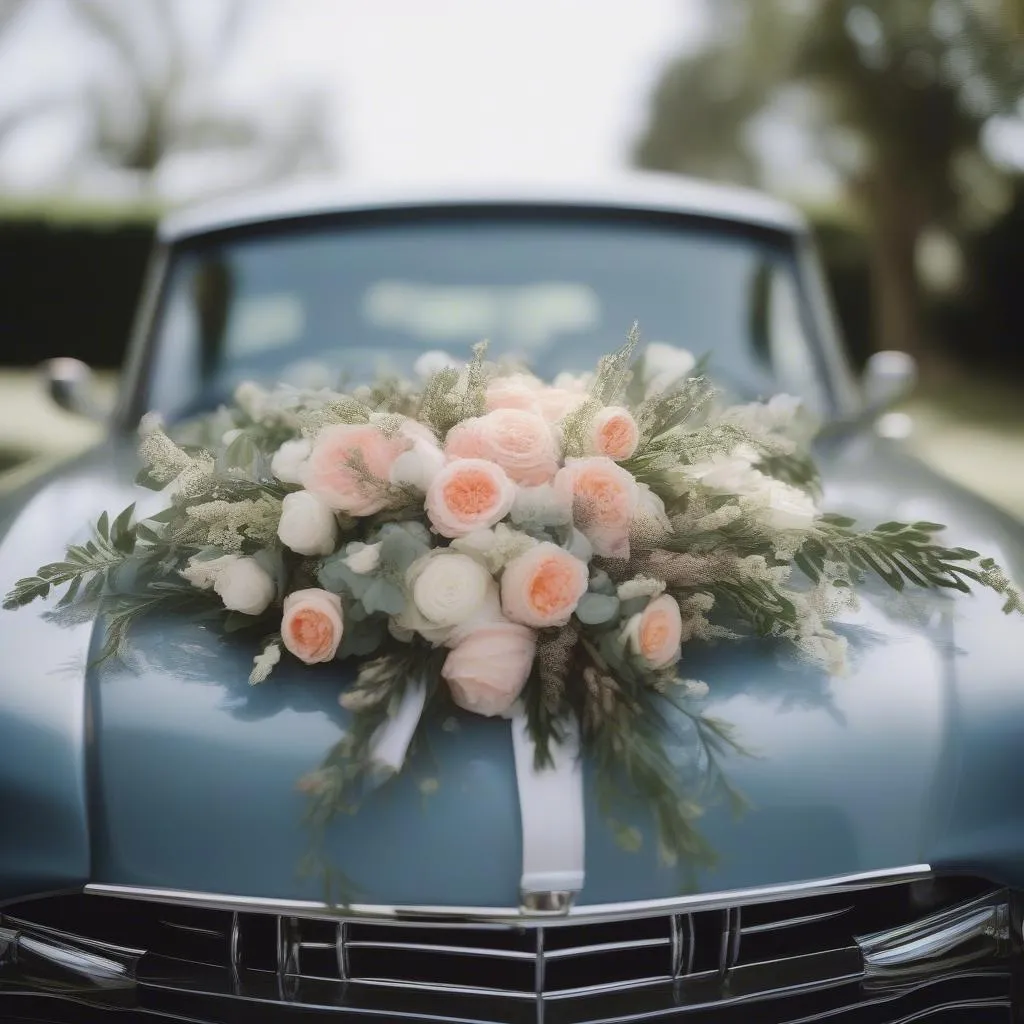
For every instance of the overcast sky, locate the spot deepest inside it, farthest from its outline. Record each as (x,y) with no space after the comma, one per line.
(417,86)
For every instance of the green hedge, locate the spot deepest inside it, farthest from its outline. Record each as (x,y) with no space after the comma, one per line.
(69,288)
(70,281)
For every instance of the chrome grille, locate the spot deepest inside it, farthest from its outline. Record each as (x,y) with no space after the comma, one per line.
(793,959)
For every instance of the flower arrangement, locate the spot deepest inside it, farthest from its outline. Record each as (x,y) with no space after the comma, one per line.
(508,546)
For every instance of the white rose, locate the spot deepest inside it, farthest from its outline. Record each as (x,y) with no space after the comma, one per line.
(450,589)
(732,474)
(364,559)
(495,547)
(307,525)
(289,460)
(651,511)
(664,365)
(640,586)
(418,466)
(203,573)
(541,506)
(244,586)
(783,409)
(253,400)
(783,507)
(566,381)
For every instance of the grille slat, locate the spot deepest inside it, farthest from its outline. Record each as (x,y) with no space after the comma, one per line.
(773,956)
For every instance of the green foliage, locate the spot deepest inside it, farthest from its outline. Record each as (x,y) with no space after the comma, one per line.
(89,569)
(898,553)
(597,609)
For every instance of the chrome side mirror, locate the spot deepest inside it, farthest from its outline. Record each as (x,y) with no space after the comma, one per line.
(70,385)
(888,377)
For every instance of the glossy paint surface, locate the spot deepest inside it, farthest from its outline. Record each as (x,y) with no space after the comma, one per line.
(174,773)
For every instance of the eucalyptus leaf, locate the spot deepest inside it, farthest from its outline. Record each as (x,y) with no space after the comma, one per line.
(601,583)
(363,641)
(383,596)
(399,549)
(334,575)
(597,609)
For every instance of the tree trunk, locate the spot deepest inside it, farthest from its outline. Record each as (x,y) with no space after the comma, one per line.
(896,226)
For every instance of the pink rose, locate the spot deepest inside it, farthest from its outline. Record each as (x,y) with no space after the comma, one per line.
(656,633)
(488,668)
(515,392)
(556,403)
(604,498)
(520,442)
(312,626)
(328,473)
(468,495)
(613,432)
(542,586)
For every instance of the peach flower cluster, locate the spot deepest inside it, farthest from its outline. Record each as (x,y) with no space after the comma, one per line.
(517,501)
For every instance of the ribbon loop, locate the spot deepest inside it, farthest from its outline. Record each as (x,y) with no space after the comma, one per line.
(551,811)
(391,741)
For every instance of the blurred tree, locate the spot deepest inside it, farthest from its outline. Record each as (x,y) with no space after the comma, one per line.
(154,97)
(705,101)
(912,86)
(902,91)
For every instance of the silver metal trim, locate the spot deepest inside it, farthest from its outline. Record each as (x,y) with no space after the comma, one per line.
(642,191)
(236,942)
(683,939)
(101,963)
(555,904)
(342,944)
(980,927)
(424,947)
(586,914)
(792,922)
(605,947)
(729,947)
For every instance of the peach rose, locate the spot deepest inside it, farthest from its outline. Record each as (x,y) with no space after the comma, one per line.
(487,670)
(656,632)
(605,499)
(329,475)
(520,442)
(543,586)
(312,626)
(613,432)
(468,495)
(556,403)
(515,392)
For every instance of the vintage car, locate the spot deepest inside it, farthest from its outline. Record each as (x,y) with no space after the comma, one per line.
(150,826)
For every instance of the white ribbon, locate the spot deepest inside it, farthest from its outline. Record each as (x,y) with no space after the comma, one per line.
(550,799)
(551,809)
(391,741)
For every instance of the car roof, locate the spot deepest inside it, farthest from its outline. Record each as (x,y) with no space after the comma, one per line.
(634,191)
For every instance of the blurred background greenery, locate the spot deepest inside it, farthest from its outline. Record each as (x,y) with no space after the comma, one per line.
(898,126)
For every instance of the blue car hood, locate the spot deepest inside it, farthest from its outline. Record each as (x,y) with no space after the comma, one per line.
(171,772)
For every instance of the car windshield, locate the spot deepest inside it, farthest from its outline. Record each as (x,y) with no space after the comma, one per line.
(341,300)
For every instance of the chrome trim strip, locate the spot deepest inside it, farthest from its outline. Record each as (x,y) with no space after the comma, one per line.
(792,922)
(341,943)
(729,945)
(978,928)
(423,947)
(605,947)
(453,990)
(683,939)
(587,913)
